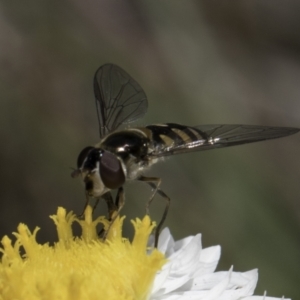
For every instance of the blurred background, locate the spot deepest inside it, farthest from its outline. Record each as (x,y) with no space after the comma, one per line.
(199,62)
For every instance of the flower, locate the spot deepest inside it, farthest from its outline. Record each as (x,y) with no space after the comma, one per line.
(87,267)
(80,268)
(190,273)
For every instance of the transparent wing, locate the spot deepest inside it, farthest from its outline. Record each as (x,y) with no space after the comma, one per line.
(119,98)
(175,138)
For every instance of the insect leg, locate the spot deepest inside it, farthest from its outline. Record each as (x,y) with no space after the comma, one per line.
(113,214)
(87,200)
(110,204)
(109,201)
(155,182)
(95,205)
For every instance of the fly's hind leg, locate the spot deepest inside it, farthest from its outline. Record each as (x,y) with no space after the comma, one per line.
(113,208)
(155,182)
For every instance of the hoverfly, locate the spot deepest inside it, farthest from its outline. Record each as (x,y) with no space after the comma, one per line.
(123,154)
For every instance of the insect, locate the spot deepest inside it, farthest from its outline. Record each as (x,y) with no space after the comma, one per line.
(123,154)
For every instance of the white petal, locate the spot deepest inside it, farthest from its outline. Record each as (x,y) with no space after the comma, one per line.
(170,285)
(185,259)
(189,274)
(180,267)
(264,298)
(166,242)
(209,259)
(230,286)
(236,280)
(159,281)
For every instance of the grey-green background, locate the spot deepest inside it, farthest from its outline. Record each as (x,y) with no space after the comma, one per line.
(200,62)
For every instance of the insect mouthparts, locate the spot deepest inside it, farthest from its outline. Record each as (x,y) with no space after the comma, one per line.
(75,173)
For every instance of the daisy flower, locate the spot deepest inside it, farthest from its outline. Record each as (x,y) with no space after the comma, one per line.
(87,267)
(189,273)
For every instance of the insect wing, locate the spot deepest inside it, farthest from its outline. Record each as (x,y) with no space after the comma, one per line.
(119,98)
(177,139)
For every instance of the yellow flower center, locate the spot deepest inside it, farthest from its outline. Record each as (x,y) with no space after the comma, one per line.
(80,268)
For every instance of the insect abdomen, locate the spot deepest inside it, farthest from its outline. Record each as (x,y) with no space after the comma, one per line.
(166,136)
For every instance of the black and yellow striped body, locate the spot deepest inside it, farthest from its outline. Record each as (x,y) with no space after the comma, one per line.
(125,154)
(140,147)
(170,137)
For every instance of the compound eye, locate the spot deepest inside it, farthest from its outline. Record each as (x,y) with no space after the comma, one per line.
(111,171)
(83,154)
